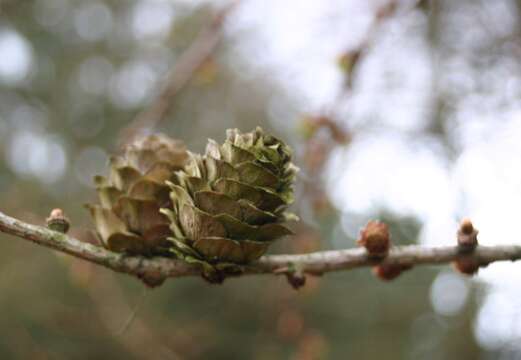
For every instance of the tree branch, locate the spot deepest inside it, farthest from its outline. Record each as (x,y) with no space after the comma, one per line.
(315,263)
(189,62)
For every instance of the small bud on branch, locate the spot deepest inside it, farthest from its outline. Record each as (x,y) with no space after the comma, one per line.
(375,238)
(467,235)
(467,242)
(57,221)
(294,275)
(388,272)
(466,265)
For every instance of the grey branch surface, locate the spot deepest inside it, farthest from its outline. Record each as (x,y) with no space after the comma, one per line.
(313,263)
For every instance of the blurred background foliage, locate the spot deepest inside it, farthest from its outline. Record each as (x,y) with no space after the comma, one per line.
(334,78)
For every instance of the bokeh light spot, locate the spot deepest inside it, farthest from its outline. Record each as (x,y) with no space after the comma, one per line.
(449,294)
(16,57)
(93,21)
(90,161)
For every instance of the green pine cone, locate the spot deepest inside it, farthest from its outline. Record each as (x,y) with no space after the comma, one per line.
(128,217)
(228,205)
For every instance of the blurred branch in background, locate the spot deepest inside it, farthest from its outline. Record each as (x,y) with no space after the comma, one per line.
(323,131)
(389,264)
(189,62)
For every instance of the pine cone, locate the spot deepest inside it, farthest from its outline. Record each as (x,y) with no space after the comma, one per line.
(128,217)
(228,205)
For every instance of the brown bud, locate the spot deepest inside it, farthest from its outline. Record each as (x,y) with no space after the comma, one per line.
(375,238)
(467,265)
(388,272)
(467,235)
(57,221)
(466,226)
(152,280)
(296,279)
(212,276)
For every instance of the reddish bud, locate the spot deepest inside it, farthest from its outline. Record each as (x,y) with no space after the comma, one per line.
(466,226)
(375,238)
(467,235)
(152,280)
(388,272)
(57,221)
(467,265)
